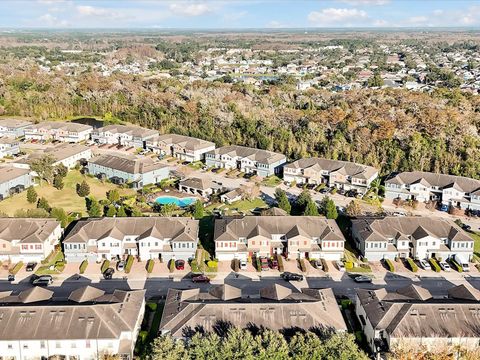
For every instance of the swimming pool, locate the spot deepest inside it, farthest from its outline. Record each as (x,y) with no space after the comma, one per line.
(180,202)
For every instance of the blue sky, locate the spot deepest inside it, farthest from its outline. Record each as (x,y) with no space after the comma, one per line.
(210,14)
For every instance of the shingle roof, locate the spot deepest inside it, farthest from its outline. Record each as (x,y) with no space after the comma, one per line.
(59,152)
(27,230)
(187,142)
(197,183)
(14,123)
(60,125)
(128,164)
(9,172)
(259,155)
(135,131)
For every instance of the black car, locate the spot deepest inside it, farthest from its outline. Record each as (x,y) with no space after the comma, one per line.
(108,274)
(11,277)
(324,190)
(363,279)
(42,280)
(31,266)
(288,276)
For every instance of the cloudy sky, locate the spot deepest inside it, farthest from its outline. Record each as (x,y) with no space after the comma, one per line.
(237,13)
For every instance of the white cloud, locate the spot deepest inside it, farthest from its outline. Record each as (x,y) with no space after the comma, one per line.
(380,23)
(50,2)
(417,20)
(364,2)
(274,24)
(234,16)
(336,17)
(91,11)
(190,9)
(48,20)
(438,12)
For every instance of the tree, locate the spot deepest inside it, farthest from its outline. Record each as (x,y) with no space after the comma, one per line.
(43,166)
(250,191)
(93,207)
(111,211)
(121,212)
(31,195)
(198,210)
(167,348)
(31,213)
(282,200)
(165,209)
(136,212)
(375,81)
(61,170)
(328,208)
(353,208)
(302,200)
(311,209)
(60,215)
(58,182)
(83,189)
(113,195)
(43,204)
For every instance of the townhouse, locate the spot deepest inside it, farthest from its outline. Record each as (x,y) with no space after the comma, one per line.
(180,146)
(414,237)
(123,169)
(90,324)
(198,186)
(295,237)
(131,136)
(14,180)
(9,146)
(147,238)
(449,190)
(68,155)
(60,131)
(245,159)
(412,318)
(276,308)
(13,128)
(28,239)
(335,173)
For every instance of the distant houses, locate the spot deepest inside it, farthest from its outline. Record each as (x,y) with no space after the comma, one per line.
(13,128)
(183,147)
(68,155)
(123,169)
(9,146)
(60,131)
(339,174)
(14,180)
(245,159)
(130,136)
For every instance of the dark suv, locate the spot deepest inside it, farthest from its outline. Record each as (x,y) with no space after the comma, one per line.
(108,274)
(288,276)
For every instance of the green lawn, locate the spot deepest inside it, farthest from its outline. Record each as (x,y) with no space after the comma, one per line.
(476,245)
(272,181)
(66,198)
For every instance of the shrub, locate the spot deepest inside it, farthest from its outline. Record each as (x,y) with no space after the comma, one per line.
(281,268)
(348,265)
(129,263)
(258,264)
(83,266)
(212,264)
(389,264)
(142,336)
(105,265)
(150,264)
(346,303)
(152,306)
(434,264)
(456,265)
(171,266)
(59,266)
(16,268)
(412,265)
(301,265)
(324,265)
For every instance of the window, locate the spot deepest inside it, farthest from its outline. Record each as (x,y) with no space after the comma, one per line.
(58,345)
(10,346)
(74,345)
(25,346)
(87,344)
(24,247)
(253,242)
(42,344)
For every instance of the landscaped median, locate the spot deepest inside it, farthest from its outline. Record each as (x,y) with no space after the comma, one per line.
(434,264)
(129,263)
(83,266)
(15,269)
(412,265)
(389,265)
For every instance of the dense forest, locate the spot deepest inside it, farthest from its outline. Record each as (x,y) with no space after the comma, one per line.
(392,129)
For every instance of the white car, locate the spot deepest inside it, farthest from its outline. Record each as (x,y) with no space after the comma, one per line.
(424,264)
(243,264)
(444,265)
(340,265)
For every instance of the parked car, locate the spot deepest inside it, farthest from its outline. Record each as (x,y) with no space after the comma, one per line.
(108,274)
(341,209)
(466,227)
(341,192)
(274,264)
(121,265)
(288,276)
(243,264)
(200,279)
(444,266)
(310,186)
(11,278)
(30,266)
(180,264)
(340,265)
(444,208)
(264,264)
(363,279)
(424,264)
(316,264)
(43,280)
(324,190)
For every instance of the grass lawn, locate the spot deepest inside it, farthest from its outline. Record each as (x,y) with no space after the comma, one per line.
(272,181)
(66,198)
(247,205)
(476,245)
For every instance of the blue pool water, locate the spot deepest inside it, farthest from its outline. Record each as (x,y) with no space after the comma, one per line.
(180,202)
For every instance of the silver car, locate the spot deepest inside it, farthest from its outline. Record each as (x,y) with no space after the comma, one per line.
(444,265)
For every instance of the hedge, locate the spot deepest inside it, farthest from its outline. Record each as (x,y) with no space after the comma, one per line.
(324,265)
(152,306)
(83,266)
(456,265)
(281,268)
(171,266)
(348,265)
(390,265)
(434,264)
(129,263)
(105,265)
(412,265)
(150,264)
(258,263)
(16,268)
(301,265)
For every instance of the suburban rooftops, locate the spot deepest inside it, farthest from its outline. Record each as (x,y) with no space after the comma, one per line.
(177,229)
(198,183)
(186,142)
(261,156)
(89,313)
(9,172)
(14,123)
(128,163)
(229,228)
(27,229)
(409,227)
(59,125)
(135,131)
(464,184)
(59,152)
(348,168)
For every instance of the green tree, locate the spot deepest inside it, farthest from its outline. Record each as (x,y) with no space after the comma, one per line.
(271,345)
(83,189)
(121,212)
(353,208)
(375,81)
(136,212)
(302,200)
(60,215)
(311,209)
(43,166)
(31,213)
(113,195)
(167,209)
(43,204)
(328,208)
(198,210)
(93,207)
(282,200)
(111,211)
(31,195)
(61,170)
(58,182)
(167,348)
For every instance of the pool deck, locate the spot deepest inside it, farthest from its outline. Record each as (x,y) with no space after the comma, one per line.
(173,193)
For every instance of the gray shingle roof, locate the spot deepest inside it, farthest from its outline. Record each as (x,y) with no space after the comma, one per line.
(27,229)
(346,167)
(129,164)
(60,125)
(259,155)
(187,142)
(135,131)
(9,172)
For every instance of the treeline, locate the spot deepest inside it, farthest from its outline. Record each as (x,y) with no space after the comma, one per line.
(395,130)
